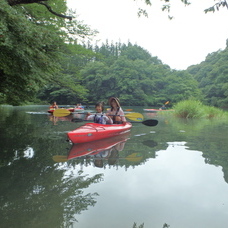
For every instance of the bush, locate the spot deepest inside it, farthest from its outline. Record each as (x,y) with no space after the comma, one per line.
(195,109)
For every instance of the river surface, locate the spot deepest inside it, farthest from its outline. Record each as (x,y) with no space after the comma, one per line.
(172,175)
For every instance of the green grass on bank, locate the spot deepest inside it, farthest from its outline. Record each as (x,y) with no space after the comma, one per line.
(195,109)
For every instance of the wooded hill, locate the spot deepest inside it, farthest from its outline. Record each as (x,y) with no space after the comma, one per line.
(42,61)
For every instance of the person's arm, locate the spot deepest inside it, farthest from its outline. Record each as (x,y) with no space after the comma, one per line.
(89,116)
(121,113)
(109,114)
(108,119)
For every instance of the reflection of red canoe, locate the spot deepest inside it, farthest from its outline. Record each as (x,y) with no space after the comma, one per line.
(94,131)
(95,147)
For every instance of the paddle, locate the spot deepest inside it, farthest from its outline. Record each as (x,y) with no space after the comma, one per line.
(133,116)
(149,122)
(59,158)
(61,112)
(128,110)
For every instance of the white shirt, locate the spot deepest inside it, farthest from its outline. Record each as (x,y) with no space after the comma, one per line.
(119,113)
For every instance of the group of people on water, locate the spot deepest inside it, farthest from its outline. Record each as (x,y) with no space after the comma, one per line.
(114,115)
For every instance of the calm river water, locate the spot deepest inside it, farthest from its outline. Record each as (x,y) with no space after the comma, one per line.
(172,175)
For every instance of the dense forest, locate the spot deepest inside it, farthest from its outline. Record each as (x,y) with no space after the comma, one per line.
(46,57)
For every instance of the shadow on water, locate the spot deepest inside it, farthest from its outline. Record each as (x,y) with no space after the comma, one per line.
(42,177)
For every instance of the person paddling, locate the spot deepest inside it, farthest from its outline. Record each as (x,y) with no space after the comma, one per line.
(116,112)
(54,105)
(99,117)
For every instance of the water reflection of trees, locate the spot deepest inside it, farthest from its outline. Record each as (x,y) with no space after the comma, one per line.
(209,137)
(35,191)
(213,143)
(43,197)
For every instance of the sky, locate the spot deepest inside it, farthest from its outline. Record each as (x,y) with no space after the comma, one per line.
(184,41)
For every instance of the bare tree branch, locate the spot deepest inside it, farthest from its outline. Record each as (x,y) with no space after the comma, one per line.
(57,14)
(18,2)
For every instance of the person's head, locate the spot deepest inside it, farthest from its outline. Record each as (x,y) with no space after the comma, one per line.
(54,103)
(114,102)
(98,162)
(113,156)
(99,107)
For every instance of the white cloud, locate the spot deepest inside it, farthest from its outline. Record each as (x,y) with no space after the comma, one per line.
(181,42)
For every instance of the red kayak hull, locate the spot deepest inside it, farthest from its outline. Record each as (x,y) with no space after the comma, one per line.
(93,131)
(77,109)
(95,147)
(51,110)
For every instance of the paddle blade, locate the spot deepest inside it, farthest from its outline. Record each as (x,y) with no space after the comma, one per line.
(61,112)
(59,158)
(135,157)
(135,116)
(150,122)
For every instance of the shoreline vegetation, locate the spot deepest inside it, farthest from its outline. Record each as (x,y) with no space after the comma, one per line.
(187,109)
(197,110)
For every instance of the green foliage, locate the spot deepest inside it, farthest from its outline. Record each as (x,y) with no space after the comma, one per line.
(217,6)
(212,75)
(28,53)
(132,74)
(195,109)
(140,226)
(181,86)
(31,50)
(41,58)
(188,109)
(167,6)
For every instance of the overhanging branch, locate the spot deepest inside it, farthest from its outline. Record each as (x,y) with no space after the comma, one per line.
(53,12)
(18,2)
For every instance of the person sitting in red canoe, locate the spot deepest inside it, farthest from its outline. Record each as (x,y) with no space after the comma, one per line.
(162,108)
(99,117)
(116,112)
(54,105)
(79,106)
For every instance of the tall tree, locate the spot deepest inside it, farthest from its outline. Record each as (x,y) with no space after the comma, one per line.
(32,41)
(212,75)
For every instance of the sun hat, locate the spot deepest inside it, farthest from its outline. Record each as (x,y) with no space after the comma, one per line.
(116,100)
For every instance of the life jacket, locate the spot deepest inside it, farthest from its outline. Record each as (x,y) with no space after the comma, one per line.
(99,119)
(114,117)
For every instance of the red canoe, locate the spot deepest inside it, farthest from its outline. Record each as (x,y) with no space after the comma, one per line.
(94,131)
(95,147)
